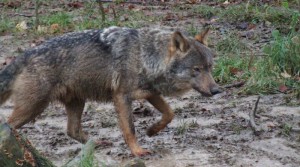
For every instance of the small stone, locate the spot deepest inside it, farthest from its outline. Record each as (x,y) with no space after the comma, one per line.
(243,26)
(268,24)
(136,162)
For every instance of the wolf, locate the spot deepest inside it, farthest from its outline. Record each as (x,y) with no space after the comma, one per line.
(116,64)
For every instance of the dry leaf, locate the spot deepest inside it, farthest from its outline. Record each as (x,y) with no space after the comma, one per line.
(192,1)
(75,5)
(54,28)
(131,6)
(226,3)
(283,88)
(13,4)
(22,26)
(285,75)
(169,17)
(42,29)
(234,70)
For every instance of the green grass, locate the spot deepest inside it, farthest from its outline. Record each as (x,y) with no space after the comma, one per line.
(231,44)
(280,66)
(206,11)
(233,61)
(257,13)
(231,68)
(182,128)
(6,25)
(264,79)
(285,52)
(63,19)
(137,19)
(236,128)
(286,130)
(87,23)
(248,12)
(194,124)
(86,157)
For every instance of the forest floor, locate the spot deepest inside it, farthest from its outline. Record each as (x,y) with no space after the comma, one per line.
(211,131)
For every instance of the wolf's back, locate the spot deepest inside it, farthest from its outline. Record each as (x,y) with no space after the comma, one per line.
(8,76)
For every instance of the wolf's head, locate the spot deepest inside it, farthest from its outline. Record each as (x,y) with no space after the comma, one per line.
(192,63)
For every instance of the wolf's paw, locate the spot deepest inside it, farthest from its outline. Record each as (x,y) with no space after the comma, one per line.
(80,136)
(141,152)
(152,131)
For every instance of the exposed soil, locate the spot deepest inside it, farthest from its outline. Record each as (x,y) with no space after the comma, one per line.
(205,132)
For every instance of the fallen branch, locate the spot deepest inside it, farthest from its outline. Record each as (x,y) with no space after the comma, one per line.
(252,115)
(237,84)
(36,11)
(23,14)
(102,11)
(295,129)
(18,151)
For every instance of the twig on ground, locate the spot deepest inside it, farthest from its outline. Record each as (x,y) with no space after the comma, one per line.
(295,129)
(37,22)
(23,14)
(252,115)
(238,84)
(102,11)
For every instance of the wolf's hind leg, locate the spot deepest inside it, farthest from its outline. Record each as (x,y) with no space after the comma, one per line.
(74,110)
(167,114)
(25,110)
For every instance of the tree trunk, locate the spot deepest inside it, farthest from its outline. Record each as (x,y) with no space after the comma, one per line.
(18,151)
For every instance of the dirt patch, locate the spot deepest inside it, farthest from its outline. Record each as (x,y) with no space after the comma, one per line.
(205,132)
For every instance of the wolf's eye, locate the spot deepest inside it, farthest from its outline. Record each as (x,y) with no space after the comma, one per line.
(197,69)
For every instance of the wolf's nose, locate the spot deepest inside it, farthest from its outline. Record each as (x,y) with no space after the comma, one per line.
(215,90)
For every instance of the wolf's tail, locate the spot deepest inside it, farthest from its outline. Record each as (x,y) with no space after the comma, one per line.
(8,76)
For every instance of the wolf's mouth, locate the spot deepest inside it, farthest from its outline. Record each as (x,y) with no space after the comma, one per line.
(204,93)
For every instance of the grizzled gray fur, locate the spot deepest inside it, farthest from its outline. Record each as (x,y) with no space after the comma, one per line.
(115,64)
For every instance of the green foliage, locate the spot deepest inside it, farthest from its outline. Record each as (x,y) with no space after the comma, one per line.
(206,11)
(232,63)
(5,24)
(286,130)
(193,30)
(235,13)
(85,157)
(257,13)
(182,128)
(285,53)
(280,66)
(61,18)
(231,45)
(231,68)
(136,19)
(265,78)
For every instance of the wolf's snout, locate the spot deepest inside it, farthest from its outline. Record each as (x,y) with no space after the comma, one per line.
(216,90)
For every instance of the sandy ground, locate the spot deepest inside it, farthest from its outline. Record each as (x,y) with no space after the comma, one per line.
(205,132)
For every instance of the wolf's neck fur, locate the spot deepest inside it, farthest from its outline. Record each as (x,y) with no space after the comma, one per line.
(154,51)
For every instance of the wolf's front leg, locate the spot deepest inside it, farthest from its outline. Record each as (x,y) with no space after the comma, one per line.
(123,108)
(74,110)
(167,114)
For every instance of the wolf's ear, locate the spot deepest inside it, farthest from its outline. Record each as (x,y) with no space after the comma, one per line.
(202,37)
(178,42)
